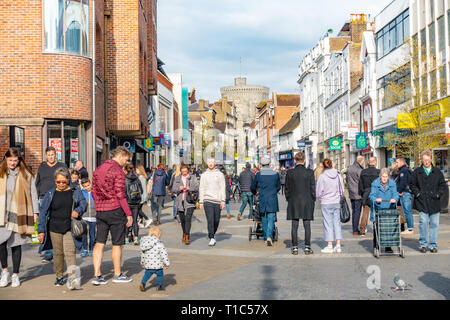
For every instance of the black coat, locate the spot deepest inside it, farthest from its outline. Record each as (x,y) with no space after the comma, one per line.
(366,178)
(428,190)
(300,191)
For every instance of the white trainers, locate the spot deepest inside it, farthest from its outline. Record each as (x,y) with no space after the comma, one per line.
(212,242)
(4,279)
(15,281)
(338,249)
(407,232)
(327,249)
(148,223)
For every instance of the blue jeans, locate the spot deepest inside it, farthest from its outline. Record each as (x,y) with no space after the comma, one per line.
(268,224)
(174,211)
(227,204)
(91,234)
(247,197)
(148,274)
(406,204)
(431,220)
(48,254)
(332,221)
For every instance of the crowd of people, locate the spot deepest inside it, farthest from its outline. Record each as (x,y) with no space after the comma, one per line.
(111,206)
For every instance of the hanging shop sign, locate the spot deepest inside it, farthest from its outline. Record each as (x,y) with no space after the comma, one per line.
(335,144)
(148,144)
(361,141)
(352,131)
(156,141)
(130,144)
(301,144)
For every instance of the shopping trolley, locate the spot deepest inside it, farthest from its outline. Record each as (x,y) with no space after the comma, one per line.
(386,228)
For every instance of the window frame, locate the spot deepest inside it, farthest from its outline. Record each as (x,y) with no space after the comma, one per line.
(389,34)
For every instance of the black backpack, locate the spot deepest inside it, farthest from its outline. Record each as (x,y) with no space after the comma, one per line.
(134,191)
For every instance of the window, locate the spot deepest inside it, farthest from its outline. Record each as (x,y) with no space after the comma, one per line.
(66,26)
(395,88)
(443,81)
(441,34)
(432,49)
(393,35)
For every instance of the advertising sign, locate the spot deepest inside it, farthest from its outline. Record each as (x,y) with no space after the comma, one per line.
(361,141)
(73,151)
(57,144)
(148,143)
(335,144)
(130,144)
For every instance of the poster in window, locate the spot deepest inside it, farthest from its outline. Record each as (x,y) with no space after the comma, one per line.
(57,144)
(73,151)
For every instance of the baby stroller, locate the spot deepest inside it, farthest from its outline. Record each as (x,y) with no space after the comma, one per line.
(257,230)
(387,232)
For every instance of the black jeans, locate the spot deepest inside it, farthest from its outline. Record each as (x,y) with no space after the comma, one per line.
(16,256)
(356,214)
(141,213)
(294,231)
(212,212)
(186,220)
(135,211)
(282,189)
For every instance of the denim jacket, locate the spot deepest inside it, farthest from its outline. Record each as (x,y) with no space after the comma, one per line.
(79,205)
(377,191)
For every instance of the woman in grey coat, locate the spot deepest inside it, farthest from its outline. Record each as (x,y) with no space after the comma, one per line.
(181,185)
(19,208)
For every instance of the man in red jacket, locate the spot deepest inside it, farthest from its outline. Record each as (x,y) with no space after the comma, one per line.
(112,212)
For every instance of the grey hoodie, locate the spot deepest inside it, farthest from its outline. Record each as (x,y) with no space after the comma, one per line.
(330,187)
(154,255)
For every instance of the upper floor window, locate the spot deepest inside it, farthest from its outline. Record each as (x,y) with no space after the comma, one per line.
(393,35)
(66,26)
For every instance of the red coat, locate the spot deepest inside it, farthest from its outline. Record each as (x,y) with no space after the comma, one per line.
(108,188)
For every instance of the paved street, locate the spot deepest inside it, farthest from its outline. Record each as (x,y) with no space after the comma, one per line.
(239,269)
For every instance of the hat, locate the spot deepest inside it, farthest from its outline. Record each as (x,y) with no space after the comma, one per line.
(265,160)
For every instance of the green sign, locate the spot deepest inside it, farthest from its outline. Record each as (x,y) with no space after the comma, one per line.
(335,144)
(361,141)
(148,144)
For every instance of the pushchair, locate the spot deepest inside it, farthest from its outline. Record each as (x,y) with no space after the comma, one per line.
(257,230)
(386,228)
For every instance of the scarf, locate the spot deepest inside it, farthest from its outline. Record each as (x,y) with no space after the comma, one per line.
(19,218)
(384,185)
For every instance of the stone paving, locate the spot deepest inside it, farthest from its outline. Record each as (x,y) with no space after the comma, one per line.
(237,268)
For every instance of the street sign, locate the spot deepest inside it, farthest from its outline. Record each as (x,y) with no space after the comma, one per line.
(148,144)
(335,144)
(361,141)
(301,144)
(447,127)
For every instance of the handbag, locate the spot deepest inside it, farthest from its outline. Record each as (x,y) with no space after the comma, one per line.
(192,197)
(79,228)
(345,210)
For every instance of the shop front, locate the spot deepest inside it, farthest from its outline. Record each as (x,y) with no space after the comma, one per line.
(286,159)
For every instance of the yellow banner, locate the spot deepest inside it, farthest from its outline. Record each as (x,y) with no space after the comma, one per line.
(405,121)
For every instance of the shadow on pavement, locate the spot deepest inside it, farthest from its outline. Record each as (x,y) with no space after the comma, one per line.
(37,271)
(268,285)
(436,282)
(169,280)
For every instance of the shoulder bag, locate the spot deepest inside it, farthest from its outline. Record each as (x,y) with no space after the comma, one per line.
(345,210)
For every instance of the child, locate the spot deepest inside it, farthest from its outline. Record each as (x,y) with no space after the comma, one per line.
(89,217)
(154,258)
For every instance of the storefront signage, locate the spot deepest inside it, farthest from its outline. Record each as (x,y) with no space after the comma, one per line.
(73,151)
(361,141)
(57,144)
(98,144)
(156,141)
(301,144)
(130,144)
(405,121)
(148,144)
(285,156)
(430,114)
(447,127)
(352,131)
(165,139)
(335,144)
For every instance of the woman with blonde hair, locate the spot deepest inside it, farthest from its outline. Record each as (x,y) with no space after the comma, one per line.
(19,209)
(140,171)
(175,174)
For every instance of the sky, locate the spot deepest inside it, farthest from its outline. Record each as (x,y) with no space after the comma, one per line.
(204,40)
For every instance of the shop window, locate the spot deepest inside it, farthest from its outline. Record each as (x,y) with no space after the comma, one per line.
(66,26)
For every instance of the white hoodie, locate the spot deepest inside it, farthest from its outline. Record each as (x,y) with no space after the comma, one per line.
(154,255)
(212,187)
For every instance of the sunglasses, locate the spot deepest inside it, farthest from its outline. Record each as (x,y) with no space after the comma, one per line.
(61,182)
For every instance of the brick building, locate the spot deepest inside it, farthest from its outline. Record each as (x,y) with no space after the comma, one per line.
(48,51)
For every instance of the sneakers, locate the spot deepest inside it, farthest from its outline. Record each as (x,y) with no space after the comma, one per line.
(423,250)
(4,280)
(269,242)
(407,232)
(160,288)
(90,253)
(295,251)
(15,281)
(122,279)
(127,241)
(327,249)
(338,249)
(142,287)
(99,280)
(148,222)
(59,282)
(46,259)
(136,241)
(239,217)
(212,242)
(84,253)
(308,251)
(433,250)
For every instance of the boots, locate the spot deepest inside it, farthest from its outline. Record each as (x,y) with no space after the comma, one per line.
(188,239)
(184,238)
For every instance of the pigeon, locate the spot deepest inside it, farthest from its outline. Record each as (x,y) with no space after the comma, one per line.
(400,284)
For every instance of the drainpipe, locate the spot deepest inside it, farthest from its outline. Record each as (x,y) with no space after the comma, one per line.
(93,89)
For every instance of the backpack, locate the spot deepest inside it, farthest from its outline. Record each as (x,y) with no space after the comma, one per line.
(134,190)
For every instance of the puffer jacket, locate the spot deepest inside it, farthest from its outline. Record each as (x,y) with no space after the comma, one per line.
(108,188)
(154,255)
(245,180)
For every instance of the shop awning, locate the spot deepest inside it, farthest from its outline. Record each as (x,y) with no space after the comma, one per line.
(140,148)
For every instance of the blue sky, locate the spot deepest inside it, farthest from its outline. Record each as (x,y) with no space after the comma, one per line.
(204,39)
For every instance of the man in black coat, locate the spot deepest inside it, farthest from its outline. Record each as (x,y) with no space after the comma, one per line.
(352,179)
(366,178)
(428,187)
(404,192)
(300,192)
(245,181)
